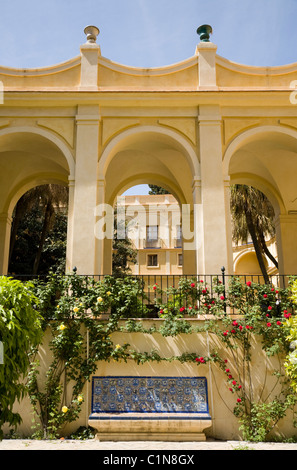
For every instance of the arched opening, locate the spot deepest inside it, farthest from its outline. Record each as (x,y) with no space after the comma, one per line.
(253,231)
(266,158)
(29,157)
(151,156)
(151,241)
(39,231)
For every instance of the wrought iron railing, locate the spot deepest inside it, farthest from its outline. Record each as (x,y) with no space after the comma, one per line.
(156,291)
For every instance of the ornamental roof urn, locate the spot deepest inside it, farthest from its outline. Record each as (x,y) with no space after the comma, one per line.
(204,32)
(91,33)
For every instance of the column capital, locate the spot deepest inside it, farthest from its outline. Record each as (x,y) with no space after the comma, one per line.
(209,115)
(87,115)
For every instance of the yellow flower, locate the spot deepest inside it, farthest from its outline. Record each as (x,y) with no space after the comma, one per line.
(75,309)
(118,346)
(64,409)
(58,306)
(99,299)
(108,293)
(80,398)
(62,327)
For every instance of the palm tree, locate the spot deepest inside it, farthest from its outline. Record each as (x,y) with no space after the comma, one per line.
(253,216)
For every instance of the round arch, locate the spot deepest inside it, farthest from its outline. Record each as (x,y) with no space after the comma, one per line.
(124,137)
(36,180)
(246,263)
(253,171)
(30,156)
(149,155)
(26,142)
(50,136)
(248,135)
(148,179)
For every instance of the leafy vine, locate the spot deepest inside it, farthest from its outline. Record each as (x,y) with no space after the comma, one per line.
(82,314)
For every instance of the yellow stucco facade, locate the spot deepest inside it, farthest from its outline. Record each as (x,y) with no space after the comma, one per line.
(193,128)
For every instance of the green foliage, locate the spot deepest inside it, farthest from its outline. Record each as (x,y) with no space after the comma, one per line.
(72,307)
(291,359)
(82,313)
(154,189)
(27,243)
(20,330)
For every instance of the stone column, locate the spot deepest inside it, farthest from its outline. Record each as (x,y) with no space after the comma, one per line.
(69,248)
(286,239)
(104,231)
(5,229)
(198,226)
(216,243)
(85,190)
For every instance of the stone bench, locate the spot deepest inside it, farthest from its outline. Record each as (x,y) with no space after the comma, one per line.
(149,408)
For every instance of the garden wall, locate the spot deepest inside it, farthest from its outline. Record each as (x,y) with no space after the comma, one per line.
(222,401)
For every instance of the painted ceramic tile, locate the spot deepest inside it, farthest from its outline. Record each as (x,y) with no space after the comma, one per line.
(150,394)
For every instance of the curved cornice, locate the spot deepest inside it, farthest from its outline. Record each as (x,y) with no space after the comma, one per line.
(193,61)
(152,72)
(256,70)
(69,64)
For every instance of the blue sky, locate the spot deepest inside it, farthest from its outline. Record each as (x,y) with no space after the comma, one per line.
(147,33)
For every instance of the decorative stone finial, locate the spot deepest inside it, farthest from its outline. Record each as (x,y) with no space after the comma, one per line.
(91,33)
(204,32)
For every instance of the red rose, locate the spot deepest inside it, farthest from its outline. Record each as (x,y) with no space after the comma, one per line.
(193,284)
(238,400)
(225,333)
(278,322)
(269,308)
(265,296)
(249,283)
(182,309)
(222,297)
(268,324)
(234,382)
(227,370)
